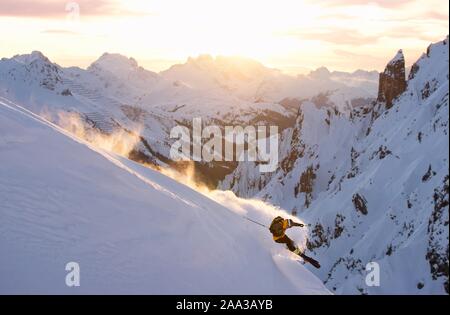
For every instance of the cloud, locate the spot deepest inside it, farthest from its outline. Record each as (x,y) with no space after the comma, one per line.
(382,3)
(59,32)
(432,15)
(394,29)
(346,53)
(57,8)
(339,37)
(335,16)
(414,32)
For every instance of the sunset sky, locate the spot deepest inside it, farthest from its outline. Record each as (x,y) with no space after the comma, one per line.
(292,35)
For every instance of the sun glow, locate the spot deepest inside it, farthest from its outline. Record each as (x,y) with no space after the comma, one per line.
(246,28)
(286,34)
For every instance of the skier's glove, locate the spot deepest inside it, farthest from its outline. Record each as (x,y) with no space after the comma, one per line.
(297,224)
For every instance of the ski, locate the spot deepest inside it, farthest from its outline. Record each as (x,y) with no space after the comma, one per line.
(310,260)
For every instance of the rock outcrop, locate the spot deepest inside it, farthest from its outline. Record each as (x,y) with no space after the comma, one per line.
(392,81)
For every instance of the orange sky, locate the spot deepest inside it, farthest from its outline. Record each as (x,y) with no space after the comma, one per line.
(292,35)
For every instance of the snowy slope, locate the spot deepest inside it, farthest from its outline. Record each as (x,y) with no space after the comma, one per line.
(131,229)
(373,183)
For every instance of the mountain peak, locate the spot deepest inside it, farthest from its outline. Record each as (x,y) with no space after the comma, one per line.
(29,58)
(38,54)
(320,73)
(219,71)
(115,67)
(114,60)
(200,59)
(392,81)
(227,62)
(399,57)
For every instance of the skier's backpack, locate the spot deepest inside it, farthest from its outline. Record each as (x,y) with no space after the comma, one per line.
(276,227)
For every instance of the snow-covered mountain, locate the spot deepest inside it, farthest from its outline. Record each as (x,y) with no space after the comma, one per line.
(116,94)
(367,168)
(130,229)
(373,181)
(253,81)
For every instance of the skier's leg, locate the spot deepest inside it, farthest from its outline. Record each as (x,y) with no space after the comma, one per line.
(289,244)
(293,248)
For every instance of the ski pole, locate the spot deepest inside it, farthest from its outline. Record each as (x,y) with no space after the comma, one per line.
(260,224)
(247,218)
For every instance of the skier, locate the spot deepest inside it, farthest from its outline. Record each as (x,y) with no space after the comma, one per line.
(278,228)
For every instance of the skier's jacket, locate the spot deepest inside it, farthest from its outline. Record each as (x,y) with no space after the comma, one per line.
(279,226)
